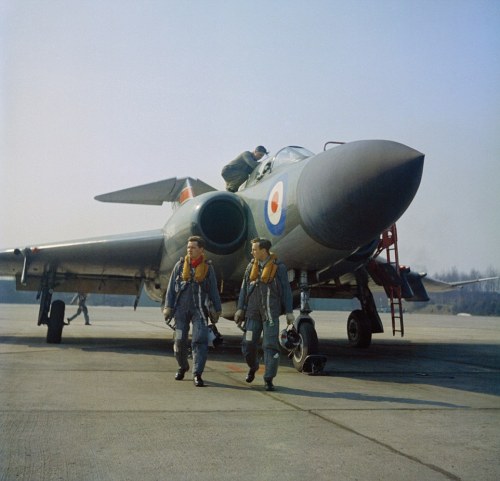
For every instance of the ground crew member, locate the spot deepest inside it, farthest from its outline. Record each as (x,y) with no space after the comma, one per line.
(265,294)
(82,307)
(239,169)
(192,296)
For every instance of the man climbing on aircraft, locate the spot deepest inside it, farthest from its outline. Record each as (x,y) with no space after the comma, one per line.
(82,307)
(239,169)
(265,294)
(191,290)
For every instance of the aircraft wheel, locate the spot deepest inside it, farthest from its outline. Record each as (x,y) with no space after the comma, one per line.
(55,322)
(359,330)
(308,345)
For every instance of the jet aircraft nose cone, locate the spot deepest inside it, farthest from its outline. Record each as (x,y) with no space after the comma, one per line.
(349,194)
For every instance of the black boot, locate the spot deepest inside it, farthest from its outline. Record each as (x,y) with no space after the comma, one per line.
(179,376)
(198,381)
(251,375)
(269,385)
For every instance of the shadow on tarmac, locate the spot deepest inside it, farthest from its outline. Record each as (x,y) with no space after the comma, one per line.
(469,367)
(354,396)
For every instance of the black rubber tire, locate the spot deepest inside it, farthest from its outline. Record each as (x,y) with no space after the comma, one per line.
(359,331)
(55,322)
(308,345)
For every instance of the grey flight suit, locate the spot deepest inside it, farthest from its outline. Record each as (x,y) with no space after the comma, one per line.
(82,307)
(238,170)
(263,304)
(189,300)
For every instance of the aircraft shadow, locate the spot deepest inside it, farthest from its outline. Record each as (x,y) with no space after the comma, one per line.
(353,396)
(117,345)
(470,367)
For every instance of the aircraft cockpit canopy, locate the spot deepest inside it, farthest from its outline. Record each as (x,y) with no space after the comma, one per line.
(285,156)
(288,155)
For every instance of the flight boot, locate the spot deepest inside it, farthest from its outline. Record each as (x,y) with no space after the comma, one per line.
(198,381)
(269,384)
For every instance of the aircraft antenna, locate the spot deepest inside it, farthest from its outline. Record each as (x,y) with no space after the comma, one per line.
(332,142)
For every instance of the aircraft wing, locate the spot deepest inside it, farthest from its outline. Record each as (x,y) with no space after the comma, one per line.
(155,193)
(435,285)
(381,276)
(116,264)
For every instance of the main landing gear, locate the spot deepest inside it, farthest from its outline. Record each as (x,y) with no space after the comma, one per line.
(361,323)
(359,332)
(51,314)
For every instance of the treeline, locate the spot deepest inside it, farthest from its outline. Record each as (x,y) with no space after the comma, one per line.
(480,299)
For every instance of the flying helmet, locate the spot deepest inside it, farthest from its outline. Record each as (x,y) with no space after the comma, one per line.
(262,149)
(289,339)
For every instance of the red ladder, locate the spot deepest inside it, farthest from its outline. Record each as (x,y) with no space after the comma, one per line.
(389,242)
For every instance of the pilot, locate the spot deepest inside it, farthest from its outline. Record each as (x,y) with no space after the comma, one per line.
(265,293)
(192,296)
(82,307)
(239,169)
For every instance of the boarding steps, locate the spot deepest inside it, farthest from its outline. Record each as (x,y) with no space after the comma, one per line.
(389,243)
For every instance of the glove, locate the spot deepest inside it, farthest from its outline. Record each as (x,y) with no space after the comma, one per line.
(167,312)
(239,316)
(290,318)
(215,317)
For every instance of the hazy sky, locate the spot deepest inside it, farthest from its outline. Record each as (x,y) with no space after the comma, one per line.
(99,95)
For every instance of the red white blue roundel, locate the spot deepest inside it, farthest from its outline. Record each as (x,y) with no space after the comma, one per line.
(275,208)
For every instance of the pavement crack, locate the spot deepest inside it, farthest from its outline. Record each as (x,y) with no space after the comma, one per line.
(386,446)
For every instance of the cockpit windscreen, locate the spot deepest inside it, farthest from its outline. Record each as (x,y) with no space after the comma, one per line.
(287,155)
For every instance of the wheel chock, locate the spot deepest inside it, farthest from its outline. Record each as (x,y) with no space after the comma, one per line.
(314,364)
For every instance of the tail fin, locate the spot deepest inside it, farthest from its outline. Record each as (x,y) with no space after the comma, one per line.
(169,190)
(186,192)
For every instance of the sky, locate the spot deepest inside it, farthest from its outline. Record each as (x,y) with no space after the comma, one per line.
(100,95)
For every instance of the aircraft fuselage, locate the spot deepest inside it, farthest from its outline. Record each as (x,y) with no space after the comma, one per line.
(317,210)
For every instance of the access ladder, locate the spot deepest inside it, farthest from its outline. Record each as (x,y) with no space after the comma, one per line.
(389,243)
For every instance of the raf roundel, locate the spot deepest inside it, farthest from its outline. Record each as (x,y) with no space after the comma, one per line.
(275,208)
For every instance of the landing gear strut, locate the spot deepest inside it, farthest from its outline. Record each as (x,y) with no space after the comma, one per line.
(305,357)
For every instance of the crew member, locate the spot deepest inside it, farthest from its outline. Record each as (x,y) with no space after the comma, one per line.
(239,169)
(265,294)
(192,296)
(82,307)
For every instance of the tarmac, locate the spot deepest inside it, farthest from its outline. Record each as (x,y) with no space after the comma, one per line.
(104,405)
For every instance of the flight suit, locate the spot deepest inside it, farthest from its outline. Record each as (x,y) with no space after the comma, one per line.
(263,303)
(238,170)
(190,300)
(82,307)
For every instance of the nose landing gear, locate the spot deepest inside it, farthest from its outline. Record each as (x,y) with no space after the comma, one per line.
(305,356)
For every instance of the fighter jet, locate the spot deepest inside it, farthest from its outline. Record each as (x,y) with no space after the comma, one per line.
(330,217)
